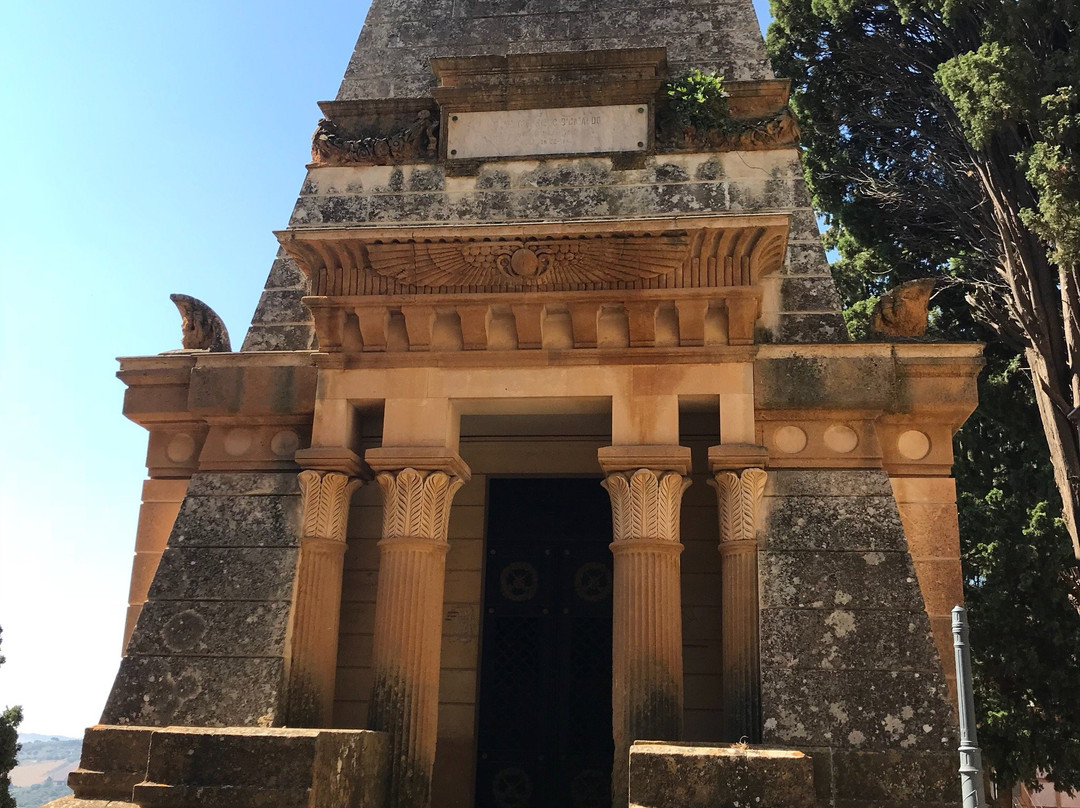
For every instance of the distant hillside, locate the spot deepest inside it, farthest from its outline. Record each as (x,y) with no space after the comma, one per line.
(44,763)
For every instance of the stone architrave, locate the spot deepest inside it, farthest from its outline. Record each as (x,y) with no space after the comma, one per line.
(647,668)
(408,619)
(317,598)
(739,496)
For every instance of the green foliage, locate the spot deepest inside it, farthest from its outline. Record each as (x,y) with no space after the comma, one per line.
(698,99)
(984,89)
(1020,586)
(1052,166)
(10,719)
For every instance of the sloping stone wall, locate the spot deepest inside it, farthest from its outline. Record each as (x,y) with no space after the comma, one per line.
(849,669)
(209,646)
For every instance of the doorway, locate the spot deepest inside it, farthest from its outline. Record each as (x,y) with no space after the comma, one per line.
(544,724)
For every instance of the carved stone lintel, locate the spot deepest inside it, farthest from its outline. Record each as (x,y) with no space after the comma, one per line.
(418,141)
(203,330)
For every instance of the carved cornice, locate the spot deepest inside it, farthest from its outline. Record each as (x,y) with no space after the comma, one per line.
(331,146)
(645,504)
(775,131)
(674,253)
(326,498)
(739,499)
(416,504)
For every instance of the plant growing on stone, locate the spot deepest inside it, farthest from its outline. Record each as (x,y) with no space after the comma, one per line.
(698,100)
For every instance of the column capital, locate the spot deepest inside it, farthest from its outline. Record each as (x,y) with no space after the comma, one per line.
(326,496)
(739,495)
(421,458)
(663,457)
(334,458)
(645,505)
(735,456)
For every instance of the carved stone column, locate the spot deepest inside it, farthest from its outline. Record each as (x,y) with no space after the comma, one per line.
(409,614)
(317,597)
(647,669)
(739,503)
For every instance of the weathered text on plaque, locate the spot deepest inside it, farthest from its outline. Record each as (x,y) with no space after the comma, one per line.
(565,130)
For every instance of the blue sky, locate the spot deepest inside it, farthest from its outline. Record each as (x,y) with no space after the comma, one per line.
(148,148)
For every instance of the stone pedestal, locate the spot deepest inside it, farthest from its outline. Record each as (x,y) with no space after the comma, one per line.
(647,670)
(409,610)
(739,496)
(317,599)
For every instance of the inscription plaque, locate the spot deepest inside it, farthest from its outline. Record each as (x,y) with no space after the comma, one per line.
(564,130)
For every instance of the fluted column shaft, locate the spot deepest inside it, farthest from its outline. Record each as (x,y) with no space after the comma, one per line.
(647,668)
(317,597)
(739,502)
(408,624)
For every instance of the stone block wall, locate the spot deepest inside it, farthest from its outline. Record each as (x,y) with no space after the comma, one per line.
(850,672)
(400,36)
(217,610)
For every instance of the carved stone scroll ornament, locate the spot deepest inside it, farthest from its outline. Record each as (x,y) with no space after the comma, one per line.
(418,141)
(776,131)
(203,330)
(529,263)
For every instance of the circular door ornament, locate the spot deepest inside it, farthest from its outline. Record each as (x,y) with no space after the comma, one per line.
(511,788)
(519,581)
(592,581)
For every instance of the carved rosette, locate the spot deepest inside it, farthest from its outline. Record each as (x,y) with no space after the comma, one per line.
(739,498)
(416,504)
(317,596)
(645,504)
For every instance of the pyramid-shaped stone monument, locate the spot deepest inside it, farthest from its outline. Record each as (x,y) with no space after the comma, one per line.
(546,474)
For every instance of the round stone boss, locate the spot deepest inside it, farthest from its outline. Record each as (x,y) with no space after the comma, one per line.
(841,438)
(789,439)
(913,444)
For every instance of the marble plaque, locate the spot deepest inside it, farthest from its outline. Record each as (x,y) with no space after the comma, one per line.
(565,130)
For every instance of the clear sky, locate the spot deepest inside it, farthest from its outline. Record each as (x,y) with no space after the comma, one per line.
(147,148)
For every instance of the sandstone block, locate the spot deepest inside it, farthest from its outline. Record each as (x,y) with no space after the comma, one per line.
(715,776)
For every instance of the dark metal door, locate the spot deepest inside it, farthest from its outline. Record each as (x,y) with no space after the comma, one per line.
(544,734)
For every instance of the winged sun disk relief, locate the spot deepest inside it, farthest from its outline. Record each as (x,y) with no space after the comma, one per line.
(528,263)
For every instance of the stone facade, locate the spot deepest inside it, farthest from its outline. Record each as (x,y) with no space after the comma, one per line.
(656,315)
